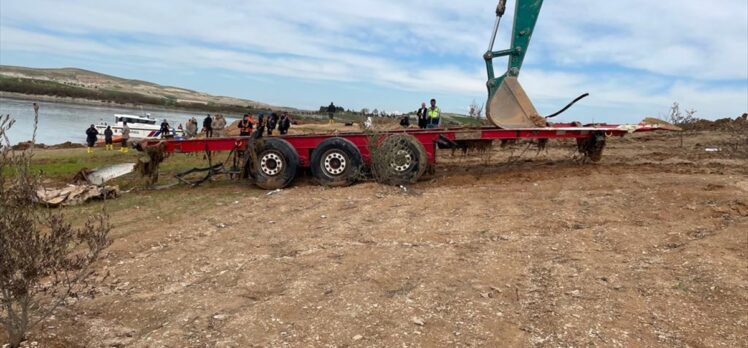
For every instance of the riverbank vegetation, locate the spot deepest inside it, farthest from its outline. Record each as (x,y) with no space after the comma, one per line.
(56,89)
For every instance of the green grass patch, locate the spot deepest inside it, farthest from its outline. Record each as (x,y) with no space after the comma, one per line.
(142,206)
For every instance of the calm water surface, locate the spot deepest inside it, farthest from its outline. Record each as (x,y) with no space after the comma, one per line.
(61,122)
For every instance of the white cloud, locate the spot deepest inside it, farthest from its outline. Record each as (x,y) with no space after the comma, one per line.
(638,52)
(680,38)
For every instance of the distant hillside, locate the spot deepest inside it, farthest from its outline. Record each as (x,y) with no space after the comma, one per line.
(79,83)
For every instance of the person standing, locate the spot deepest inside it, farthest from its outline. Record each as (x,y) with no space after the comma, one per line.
(108,138)
(272,122)
(245,126)
(284,123)
(331,112)
(165,129)
(193,132)
(191,128)
(91,134)
(208,126)
(219,123)
(434,114)
(125,137)
(423,116)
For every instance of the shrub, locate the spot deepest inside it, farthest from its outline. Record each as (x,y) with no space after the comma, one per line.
(43,258)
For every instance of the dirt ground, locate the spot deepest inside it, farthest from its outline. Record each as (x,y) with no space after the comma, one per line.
(647,248)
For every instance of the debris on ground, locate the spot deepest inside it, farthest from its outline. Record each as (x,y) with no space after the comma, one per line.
(148,165)
(99,176)
(75,194)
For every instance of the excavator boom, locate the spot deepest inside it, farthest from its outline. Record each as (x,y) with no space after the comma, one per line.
(508,105)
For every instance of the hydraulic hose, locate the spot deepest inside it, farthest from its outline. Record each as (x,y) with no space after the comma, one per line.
(559,112)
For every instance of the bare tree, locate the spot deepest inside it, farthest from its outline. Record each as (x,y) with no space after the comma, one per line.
(680,119)
(43,259)
(475,110)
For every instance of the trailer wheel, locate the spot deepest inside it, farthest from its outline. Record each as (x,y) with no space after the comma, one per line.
(336,162)
(400,159)
(276,164)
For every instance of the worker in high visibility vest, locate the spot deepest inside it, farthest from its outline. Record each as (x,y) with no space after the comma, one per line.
(434,115)
(245,126)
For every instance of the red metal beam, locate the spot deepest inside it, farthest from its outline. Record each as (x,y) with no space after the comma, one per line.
(304,144)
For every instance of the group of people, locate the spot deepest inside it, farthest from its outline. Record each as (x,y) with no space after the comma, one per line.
(272,122)
(92,136)
(214,127)
(429,117)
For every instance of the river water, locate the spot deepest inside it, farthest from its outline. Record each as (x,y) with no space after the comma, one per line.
(61,122)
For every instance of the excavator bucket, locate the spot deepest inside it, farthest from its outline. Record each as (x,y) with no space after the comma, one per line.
(510,107)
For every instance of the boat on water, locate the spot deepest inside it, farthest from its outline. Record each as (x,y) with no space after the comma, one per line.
(141,127)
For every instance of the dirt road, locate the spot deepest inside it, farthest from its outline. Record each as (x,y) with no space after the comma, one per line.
(647,248)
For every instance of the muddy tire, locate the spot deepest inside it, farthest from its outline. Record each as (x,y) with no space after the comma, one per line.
(399,160)
(336,162)
(276,164)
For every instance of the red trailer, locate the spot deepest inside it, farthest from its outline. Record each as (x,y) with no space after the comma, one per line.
(394,157)
(398,157)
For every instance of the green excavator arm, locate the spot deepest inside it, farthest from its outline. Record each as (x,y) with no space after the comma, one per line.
(508,105)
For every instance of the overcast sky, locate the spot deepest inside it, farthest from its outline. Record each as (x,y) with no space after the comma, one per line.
(635,57)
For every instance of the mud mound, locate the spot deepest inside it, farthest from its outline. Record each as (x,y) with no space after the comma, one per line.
(658,122)
(25,145)
(722,124)
(67,145)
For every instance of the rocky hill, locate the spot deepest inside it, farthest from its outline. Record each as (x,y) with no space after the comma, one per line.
(101,86)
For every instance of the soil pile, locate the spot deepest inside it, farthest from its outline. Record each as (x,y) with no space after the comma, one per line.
(722,124)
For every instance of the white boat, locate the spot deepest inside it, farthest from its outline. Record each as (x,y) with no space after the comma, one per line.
(141,127)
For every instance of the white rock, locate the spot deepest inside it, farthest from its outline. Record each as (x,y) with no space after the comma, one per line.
(357,337)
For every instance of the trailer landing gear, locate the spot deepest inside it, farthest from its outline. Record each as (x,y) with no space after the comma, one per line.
(592,147)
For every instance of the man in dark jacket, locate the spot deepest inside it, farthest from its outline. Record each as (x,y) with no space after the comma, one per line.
(91,134)
(108,138)
(208,126)
(165,129)
(423,116)
(272,123)
(331,112)
(284,124)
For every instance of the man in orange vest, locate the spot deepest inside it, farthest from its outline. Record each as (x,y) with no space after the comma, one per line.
(245,126)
